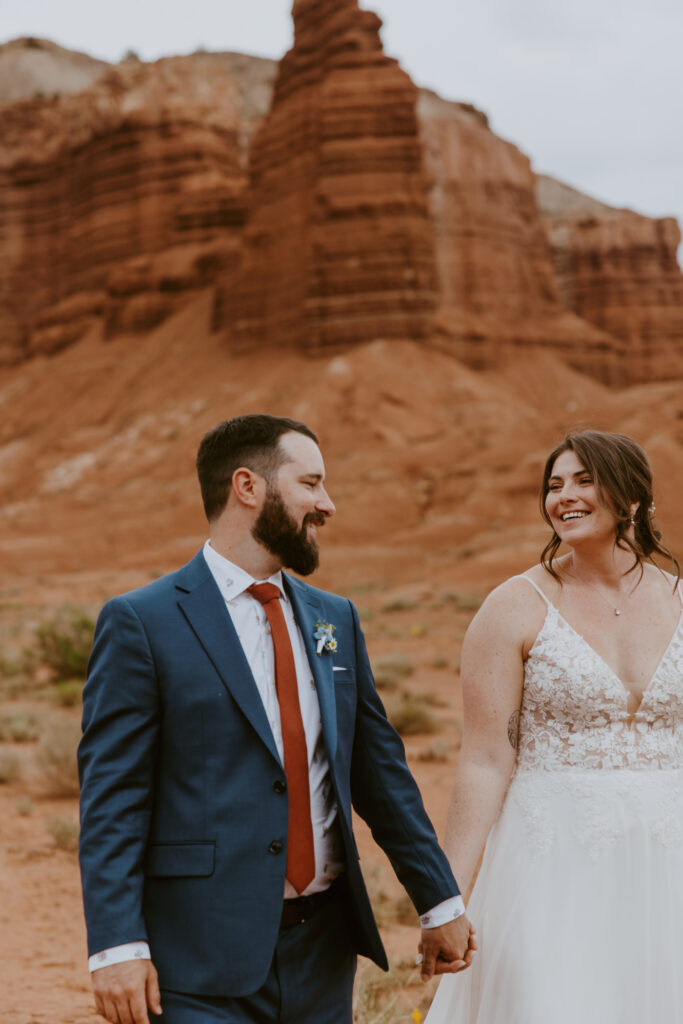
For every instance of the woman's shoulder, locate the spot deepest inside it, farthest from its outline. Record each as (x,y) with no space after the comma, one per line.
(521,598)
(522,587)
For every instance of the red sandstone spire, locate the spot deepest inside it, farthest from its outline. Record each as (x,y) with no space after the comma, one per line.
(339,246)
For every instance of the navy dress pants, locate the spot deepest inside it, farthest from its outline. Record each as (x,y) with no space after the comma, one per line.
(310,980)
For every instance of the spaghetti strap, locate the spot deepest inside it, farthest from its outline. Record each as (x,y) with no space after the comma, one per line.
(523,576)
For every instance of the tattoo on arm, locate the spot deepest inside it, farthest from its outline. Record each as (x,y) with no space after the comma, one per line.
(513,729)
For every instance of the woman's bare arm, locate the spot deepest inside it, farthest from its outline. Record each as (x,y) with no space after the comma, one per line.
(492,670)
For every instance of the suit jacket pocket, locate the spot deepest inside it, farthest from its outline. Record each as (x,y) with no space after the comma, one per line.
(189,860)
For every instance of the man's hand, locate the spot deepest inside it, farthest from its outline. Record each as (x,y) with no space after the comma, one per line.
(124,991)
(448,948)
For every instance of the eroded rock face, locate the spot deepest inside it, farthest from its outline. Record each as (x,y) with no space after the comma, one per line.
(339,247)
(150,158)
(618,270)
(353,208)
(498,294)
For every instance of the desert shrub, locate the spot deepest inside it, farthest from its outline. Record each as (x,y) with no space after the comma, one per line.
(65,642)
(389,669)
(400,604)
(435,753)
(10,767)
(64,832)
(69,692)
(464,602)
(57,758)
(19,727)
(439,661)
(410,717)
(25,806)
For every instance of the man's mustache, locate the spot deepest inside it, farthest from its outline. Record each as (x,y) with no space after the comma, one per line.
(314,517)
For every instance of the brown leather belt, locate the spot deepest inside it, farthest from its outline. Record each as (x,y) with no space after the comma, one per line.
(301,908)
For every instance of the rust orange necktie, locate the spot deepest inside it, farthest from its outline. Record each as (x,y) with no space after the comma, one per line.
(300,849)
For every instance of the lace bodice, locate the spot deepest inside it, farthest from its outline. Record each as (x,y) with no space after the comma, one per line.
(575,711)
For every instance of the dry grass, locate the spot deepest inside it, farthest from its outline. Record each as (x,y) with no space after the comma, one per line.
(19,727)
(390,669)
(56,758)
(397,997)
(410,717)
(64,833)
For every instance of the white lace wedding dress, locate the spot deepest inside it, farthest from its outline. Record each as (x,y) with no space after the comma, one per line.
(578,904)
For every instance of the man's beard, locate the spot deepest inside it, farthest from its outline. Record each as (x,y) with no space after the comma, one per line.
(278,531)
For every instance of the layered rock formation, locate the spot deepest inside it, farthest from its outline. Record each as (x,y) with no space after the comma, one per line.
(150,159)
(618,270)
(35,68)
(339,246)
(497,288)
(355,207)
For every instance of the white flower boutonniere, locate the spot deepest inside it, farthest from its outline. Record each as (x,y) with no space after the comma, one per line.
(324,634)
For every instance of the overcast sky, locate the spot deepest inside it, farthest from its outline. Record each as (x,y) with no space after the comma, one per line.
(591,90)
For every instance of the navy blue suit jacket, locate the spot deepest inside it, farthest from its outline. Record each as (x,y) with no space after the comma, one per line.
(179,768)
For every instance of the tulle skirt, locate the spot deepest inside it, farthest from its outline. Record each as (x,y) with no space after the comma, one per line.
(578,905)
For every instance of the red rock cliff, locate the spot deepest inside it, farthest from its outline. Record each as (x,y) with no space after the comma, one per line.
(148,160)
(618,270)
(498,294)
(339,246)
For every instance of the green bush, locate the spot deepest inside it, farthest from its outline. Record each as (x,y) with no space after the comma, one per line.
(65,642)
(69,692)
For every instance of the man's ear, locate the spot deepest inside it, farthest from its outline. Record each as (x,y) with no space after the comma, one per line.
(247,486)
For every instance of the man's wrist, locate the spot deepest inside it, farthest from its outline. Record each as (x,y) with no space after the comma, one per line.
(119,955)
(447,911)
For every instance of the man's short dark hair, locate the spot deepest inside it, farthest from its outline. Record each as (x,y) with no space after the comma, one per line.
(252,441)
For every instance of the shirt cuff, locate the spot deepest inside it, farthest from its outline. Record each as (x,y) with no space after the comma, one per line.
(119,955)
(443,913)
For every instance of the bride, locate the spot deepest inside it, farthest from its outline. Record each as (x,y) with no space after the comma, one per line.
(572,765)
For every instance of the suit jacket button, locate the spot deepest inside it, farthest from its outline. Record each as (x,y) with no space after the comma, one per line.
(276,846)
(279,786)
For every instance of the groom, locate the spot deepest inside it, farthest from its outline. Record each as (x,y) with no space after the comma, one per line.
(230,722)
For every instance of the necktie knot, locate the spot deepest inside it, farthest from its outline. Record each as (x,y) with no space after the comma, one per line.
(264,592)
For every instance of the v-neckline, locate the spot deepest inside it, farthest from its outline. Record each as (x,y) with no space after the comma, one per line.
(625,690)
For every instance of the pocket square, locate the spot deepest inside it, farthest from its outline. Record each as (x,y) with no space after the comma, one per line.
(339,668)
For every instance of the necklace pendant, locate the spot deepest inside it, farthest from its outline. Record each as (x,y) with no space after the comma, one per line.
(617,612)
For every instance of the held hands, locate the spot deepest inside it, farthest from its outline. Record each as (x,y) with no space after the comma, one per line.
(123,992)
(447,949)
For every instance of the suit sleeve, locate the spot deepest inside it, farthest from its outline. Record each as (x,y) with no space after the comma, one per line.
(386,796)
(116,759)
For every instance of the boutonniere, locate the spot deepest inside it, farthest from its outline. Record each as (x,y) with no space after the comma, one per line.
(324,634)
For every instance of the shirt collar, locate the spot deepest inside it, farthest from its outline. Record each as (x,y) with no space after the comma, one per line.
(231,579)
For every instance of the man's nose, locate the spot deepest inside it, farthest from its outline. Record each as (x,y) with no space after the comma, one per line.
(325,504)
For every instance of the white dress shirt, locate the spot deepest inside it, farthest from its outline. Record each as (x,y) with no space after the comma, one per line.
(253,630)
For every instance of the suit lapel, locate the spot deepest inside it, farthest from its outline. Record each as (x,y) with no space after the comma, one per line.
(307,610)
(204,608)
